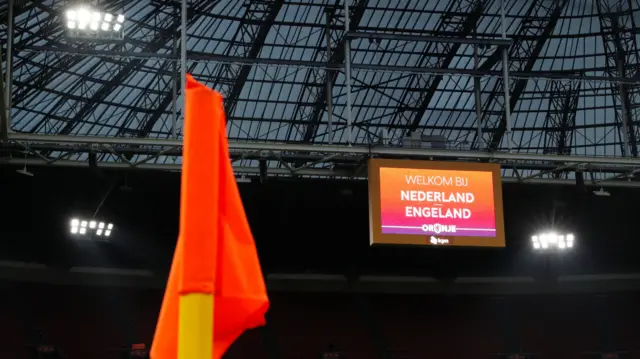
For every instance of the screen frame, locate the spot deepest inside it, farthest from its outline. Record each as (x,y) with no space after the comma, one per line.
(375,226)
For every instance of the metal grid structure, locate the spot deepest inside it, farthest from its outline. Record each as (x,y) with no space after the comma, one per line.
(314,88)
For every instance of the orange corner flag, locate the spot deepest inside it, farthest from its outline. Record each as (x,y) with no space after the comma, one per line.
(216,290)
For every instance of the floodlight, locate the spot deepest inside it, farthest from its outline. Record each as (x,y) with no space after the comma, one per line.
(90,227)
(84,22)
(552,241)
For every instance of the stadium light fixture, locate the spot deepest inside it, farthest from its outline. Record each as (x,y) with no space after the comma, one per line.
(89,227)
(553,241)
(83,22)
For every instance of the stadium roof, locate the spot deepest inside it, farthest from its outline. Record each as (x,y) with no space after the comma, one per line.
(414,70)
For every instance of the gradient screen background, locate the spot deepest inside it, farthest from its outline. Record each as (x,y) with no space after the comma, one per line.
(390,224)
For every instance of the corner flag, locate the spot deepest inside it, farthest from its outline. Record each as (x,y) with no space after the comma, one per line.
(216,290)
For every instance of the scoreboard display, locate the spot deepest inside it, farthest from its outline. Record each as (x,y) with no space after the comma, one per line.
(435,203)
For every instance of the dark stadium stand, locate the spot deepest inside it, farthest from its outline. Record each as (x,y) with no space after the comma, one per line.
(101,322)
(523,302)
(12,327)
(420,326)
(561,326)
(306,325)
(249,345)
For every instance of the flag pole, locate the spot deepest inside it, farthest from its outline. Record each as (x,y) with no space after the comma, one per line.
(195,323)
(195,330)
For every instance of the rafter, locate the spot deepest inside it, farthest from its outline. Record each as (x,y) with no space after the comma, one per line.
(261,14)
(538,24)
(160,39)
(560,121)
(464,15)
(4,122)
(312,115)
(621,51)
(250,36)
(42,78)
(48,32)
(271,62)
(19,10)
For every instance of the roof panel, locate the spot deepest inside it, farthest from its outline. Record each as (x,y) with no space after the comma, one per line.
(125,86)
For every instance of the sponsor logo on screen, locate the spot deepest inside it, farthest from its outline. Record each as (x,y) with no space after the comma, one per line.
(435,240)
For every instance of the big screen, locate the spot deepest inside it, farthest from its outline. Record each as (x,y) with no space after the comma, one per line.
(435,203)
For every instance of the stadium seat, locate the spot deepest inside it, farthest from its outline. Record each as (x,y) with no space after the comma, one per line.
(13,331)
(560,326)
(99,322)
(249,345)
(430,326)
(305,325)
(78,320)
(625,318)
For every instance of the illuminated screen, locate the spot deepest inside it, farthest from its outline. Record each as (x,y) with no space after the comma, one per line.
(435,203)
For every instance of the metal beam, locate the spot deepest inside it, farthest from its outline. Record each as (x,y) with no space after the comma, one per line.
(477,92)
(157,109)
(4,122)
(149,155)
(328,15)
(484,69)
(264,13)
(316,94)
(8,83)
(311,172)
(561,118)
(618,30)
(417,153)
(437,39)
(22,7)
(257,21)
(163,37)
(50,31)
(465,15)
(540,20)
(184,27)
(153,108)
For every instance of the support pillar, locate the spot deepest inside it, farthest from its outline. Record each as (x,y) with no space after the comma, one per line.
(8,83)
(174,94)
(624,112)
(505,78)
(183,54)
(347,69)
(478,99)
(329,87)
